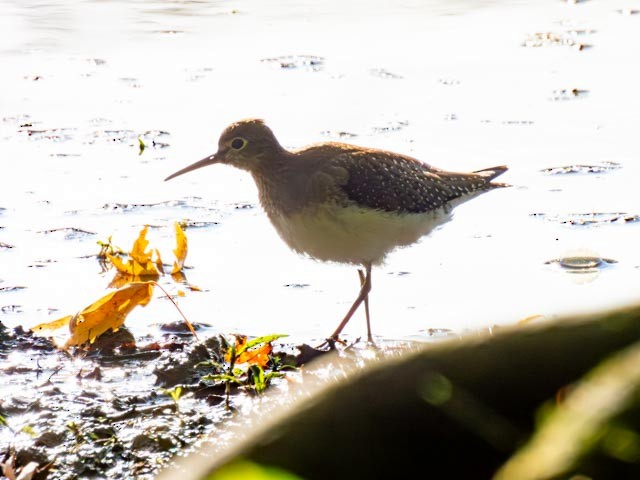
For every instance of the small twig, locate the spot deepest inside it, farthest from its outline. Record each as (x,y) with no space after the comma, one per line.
(55,372)
(178,308)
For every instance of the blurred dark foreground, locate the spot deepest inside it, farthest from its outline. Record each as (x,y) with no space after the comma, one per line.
(549,400)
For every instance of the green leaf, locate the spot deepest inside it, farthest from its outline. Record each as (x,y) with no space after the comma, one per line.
(174,393)
(29,430)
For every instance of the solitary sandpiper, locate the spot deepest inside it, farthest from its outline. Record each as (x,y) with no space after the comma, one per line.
(344,203)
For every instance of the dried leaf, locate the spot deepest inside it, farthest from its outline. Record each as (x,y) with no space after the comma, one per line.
(258,355)
(181,249)
(141,261)
(55,325)
(119,264)
(179,277)
(122,279)
(158,261)
(108,313)
(138,252)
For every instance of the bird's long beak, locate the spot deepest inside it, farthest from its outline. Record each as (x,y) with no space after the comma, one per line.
(210,160)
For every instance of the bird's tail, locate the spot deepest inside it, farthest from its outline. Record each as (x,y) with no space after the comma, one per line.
(492,172)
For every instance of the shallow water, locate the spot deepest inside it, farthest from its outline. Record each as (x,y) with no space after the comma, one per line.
(463,85)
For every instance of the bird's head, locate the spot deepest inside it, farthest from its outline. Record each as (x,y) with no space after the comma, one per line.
(246,144)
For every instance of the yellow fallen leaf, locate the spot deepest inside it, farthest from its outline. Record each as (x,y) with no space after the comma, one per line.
(55,325)
(108,313)
(179,277)
(181,249)
(133,268)
(119,264)
(158,261)
(122,279)
(138,252)
(141,262)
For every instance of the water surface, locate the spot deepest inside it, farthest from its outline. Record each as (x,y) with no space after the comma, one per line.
(537,86)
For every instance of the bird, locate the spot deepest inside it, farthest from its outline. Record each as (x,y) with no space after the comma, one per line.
(344,203)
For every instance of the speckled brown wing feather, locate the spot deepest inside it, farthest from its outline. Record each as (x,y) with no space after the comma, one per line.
(395,183)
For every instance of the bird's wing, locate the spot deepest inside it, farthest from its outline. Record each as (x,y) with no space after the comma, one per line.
(388,181)
(391,182)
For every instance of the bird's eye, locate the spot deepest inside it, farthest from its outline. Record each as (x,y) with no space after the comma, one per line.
(238,143)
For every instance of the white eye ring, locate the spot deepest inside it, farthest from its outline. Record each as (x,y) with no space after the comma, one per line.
(238,143)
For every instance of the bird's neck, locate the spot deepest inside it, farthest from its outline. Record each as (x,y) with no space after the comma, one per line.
(278,185)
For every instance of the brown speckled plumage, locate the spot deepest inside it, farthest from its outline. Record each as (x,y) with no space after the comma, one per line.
(345,203)
(396,183)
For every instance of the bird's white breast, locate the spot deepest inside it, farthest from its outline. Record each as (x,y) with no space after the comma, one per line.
(352,234)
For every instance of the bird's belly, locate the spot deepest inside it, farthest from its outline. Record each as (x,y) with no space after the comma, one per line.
(353,235)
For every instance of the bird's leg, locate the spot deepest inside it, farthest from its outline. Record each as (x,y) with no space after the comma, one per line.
(364,293)
(362,275)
